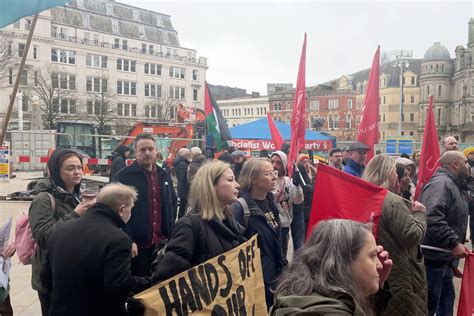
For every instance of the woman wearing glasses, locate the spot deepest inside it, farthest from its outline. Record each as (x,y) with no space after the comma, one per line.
(257,180)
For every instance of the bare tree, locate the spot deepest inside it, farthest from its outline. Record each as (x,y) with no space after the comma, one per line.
(163,109)
(7,58)
(48,89)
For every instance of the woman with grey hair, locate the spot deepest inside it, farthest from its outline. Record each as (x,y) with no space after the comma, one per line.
(334,273)
(402,228)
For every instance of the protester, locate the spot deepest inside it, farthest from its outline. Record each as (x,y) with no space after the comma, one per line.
(416,159)
(195,151)
(227,158)
(334,273)
(310,170)
(469,154)
(257,181)
(301,212)
(239,159)
(356,163)
(153,213)
(180,165)
(335,158)
(194,166)
(404,181)
(411,168)
(119,158)
(162,163)
(450,143)
(56,202)
(87,268)
(5,302)
(346,155)
(400,231)
(287,193)
(447,223)
(209,228)
(264,154)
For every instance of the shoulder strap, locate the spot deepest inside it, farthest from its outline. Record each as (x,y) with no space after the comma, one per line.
(246,210)
(53,202)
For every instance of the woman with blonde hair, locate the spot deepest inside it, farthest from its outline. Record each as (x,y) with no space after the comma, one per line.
(208,229)
(258,213)
(401,230)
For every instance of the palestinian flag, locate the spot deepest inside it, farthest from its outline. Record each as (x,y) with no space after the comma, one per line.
(216,124)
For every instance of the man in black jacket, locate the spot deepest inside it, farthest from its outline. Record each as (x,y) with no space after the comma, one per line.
(154,212)
(180,165)
(447,213)
(87,266)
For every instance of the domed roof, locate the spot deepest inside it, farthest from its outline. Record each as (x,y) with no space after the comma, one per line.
(437,52)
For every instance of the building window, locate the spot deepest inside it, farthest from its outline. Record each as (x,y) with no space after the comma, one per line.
(36,78)
(403,133)
(153,69)
(427,91)
(63,81)
(35,52)
(442,68)
(144,48)
(277,106)
(151,50)
(117,43)
(195,74)
(412,117)
(126,65)
(126,87)
(27,24)
(21,49)
(152,90)
(314,105)
(126,110)
(124,44)
(152,111)
(384,100)
(411,133)
(176,72)
(349,103)
(437,68)
(333,121)
(96,84)
(24,78)
(348,121)
(95,108)
(195,94)
(96,61)
(412,99)
(24,103)
(10,76)
(63,56)
(64,106)
(439,90)
(412,80)
(333,104)
(177,93)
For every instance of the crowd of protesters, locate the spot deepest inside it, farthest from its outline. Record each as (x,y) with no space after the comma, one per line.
(93,253)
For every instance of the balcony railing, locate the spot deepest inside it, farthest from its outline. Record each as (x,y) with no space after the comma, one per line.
(97,43)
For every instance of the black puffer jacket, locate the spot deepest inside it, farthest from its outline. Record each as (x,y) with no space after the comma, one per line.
(269,239)
(194,241)
(447,213)
(118,160)
(181,168)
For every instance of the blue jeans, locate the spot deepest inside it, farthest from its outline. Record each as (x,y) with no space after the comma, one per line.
(440,291)
(298,230)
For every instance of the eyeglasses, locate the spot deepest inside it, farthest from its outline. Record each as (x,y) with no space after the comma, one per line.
(273,173)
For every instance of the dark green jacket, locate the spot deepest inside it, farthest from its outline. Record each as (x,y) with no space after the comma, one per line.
(401,233)
(44,220)
(316,304)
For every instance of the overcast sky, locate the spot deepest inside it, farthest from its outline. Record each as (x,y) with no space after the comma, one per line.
(249,44)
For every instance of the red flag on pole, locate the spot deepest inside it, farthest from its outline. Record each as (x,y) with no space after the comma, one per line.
(276,136)
(298,126)
(466,298)
(340,195)
(368,132)
(430,153)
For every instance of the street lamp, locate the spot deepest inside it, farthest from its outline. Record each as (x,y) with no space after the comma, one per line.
(401,64)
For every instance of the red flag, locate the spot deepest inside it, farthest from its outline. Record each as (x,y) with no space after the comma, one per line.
(340,195)
(298,120)
(430,153)
(466,298)
(276,136)
(368,132)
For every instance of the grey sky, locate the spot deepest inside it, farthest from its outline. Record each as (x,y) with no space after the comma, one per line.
(250,44)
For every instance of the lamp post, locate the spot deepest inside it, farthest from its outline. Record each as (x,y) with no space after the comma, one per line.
(401,64)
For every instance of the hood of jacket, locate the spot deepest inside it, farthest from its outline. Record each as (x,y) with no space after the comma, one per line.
(54,167)
(284,159)
(179,160)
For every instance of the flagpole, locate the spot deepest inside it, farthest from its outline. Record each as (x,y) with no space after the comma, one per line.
(17,80)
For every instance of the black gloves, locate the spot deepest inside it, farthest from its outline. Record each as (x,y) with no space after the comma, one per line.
(296,176)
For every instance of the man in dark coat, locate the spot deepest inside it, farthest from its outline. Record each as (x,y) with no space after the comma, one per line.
(447,214)
(119,160)
(87,268)
(181,164)
(153,214)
